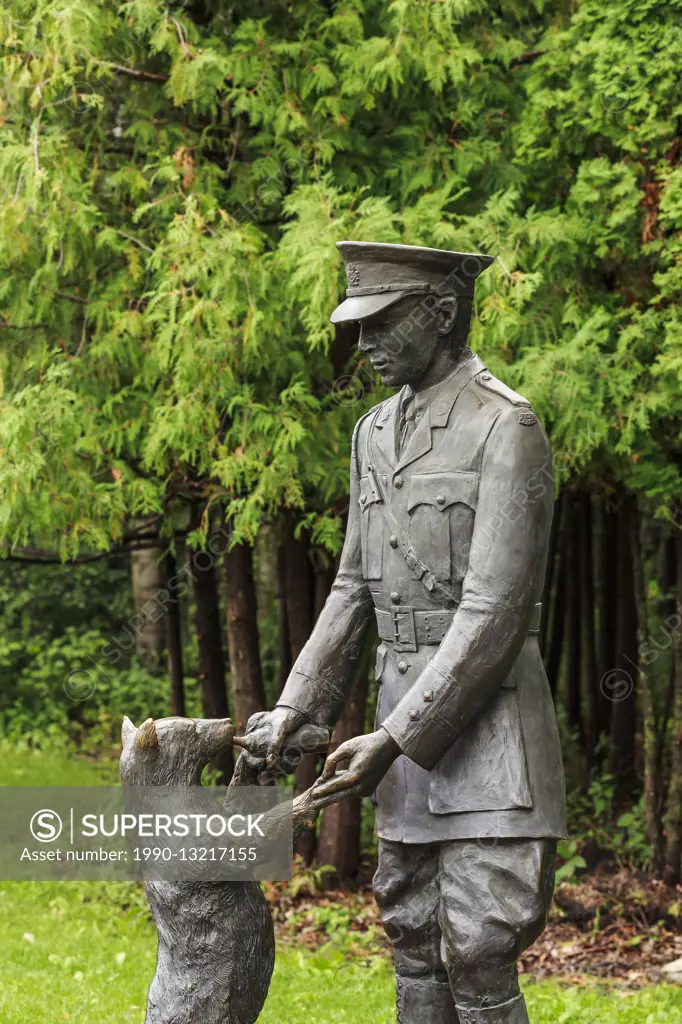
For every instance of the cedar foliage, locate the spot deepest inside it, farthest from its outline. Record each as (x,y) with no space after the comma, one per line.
(175,176)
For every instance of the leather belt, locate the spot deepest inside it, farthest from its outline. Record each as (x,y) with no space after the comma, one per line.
(408,629)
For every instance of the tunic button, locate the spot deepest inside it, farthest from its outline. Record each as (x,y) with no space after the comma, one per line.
(398,482)
(414,715)
(393,541)
(440,500)
(402,667)
(395,598)
(428,695)
(486,376)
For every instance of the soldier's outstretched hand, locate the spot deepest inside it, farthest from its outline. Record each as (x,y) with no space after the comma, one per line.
(369,758)
(266,736)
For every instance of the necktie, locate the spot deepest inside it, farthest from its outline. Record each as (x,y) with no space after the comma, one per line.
(408,421)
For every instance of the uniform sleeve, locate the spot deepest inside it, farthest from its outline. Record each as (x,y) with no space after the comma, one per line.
(503,580)
(320,681)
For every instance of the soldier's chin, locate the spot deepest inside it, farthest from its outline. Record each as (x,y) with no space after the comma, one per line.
(387,373)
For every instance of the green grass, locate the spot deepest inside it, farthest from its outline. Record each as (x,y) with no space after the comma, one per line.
(71,952)
(84,953)
(29,767)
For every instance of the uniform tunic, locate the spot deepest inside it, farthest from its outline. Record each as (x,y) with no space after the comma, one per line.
(462,687)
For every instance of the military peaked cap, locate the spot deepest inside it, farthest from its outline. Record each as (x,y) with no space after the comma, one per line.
(380,274)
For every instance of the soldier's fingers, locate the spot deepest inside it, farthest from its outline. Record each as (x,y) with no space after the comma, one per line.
(246,742)
(276,742)
(320,800)
(246,770)
(330,764)
(256,720)
(253,760)
(276,767)
(343,784)
(345,752)
(338,783)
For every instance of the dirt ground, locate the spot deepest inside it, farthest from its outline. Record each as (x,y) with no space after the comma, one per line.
(615,925)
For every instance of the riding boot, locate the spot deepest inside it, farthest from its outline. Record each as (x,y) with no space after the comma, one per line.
(512,1012)
(424,1001)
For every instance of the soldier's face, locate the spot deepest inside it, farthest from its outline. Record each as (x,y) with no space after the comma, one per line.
(403,341)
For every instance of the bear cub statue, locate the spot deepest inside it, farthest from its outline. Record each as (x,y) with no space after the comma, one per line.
(216,949)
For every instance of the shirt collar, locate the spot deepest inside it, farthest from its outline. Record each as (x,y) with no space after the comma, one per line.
(424,398)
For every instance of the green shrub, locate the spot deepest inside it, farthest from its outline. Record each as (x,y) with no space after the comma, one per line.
(594,817)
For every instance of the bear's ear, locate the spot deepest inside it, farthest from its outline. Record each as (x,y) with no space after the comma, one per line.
(146,736)
(128,731)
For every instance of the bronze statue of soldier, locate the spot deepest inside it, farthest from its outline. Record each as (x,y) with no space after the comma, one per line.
(450,508)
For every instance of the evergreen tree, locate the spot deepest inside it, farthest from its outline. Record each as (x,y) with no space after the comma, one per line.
(175,177)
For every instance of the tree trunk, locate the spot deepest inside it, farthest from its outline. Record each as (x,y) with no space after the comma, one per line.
(299,591)
(673,818)
(667,611)
(248,694)
(299,588)
(573,692)
(173,622)
(593,728)
(652,781)
(553,558)
(211,661)
(618,683)
(147,581)
(265,561)
(339,842)
(607,605)
(283,645)
(324,578)
(558,615)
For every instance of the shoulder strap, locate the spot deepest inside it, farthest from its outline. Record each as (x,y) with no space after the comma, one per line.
(498,387)
(413,560)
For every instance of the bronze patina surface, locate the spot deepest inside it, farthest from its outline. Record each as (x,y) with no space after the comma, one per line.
(445,552)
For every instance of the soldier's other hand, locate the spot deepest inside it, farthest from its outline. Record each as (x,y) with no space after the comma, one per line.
(266,735)
(368,757)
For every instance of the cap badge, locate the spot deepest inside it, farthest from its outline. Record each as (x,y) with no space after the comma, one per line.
(353,274)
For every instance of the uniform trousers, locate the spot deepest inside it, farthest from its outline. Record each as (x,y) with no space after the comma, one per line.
(458,915)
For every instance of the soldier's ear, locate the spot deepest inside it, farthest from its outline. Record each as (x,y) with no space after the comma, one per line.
(446,314)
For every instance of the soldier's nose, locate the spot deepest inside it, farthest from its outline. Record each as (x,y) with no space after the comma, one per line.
(364,340)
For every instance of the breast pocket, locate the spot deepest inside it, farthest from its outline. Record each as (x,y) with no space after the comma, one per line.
(371,531)
(442,507)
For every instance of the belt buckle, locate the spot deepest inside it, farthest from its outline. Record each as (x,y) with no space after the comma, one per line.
(404,631)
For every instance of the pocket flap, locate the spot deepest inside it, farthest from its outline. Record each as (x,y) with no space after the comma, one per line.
(486,769)
(367,495)
(443,490)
